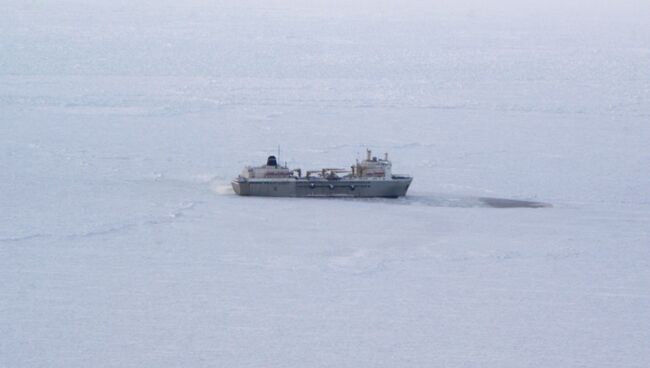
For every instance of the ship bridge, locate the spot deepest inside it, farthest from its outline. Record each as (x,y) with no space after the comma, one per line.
(373,167)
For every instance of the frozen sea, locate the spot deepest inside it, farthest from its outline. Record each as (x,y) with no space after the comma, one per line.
(122,244)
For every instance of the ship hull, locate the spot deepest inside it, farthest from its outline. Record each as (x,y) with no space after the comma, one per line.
(386,188)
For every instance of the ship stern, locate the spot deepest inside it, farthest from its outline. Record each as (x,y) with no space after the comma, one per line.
(241,187)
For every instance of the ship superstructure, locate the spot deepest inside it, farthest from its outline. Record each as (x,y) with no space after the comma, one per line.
(371,177)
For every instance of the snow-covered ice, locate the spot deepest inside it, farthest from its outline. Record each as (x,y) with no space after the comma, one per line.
(122,244)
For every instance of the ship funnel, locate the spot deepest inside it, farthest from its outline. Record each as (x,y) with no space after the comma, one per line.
(271,161)
(386,156)
(369,154)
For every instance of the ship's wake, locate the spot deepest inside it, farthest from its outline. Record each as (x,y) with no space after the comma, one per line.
(221,187)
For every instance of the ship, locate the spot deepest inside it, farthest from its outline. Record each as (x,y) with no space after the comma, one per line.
(371,177)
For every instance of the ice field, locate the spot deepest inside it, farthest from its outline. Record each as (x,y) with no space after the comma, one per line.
(122,244)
